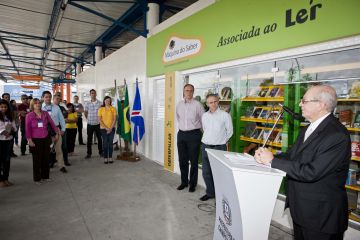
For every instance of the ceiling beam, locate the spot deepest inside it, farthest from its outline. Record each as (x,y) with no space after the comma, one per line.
(128,27)
(103,1)
(56,16)
(8,54)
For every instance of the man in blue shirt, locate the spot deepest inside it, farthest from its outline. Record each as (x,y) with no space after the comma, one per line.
(56,115)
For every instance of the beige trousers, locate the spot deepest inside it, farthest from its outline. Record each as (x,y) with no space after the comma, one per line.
(59,154)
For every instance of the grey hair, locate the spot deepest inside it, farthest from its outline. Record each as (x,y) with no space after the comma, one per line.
(212,95)
(327,95)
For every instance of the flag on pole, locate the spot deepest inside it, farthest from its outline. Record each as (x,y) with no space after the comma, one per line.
(137,118)
(124,117)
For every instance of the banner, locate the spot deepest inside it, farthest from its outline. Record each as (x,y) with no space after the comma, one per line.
(124,118)
(137,118)
(233,29)
(169,130)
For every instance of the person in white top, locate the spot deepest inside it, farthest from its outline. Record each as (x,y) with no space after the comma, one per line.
(316,166)
(217,130)
(188,116)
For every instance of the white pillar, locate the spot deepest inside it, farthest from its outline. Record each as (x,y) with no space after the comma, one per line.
(152,16)
(78,68)
(98,54)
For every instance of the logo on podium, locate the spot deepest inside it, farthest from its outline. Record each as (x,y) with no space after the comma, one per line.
(226,211)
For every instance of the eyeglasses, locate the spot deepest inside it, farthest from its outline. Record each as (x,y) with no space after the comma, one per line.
(303,101)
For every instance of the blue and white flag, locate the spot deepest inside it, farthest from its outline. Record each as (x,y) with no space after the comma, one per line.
(137,118)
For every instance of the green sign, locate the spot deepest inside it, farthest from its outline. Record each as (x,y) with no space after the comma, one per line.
(233,29)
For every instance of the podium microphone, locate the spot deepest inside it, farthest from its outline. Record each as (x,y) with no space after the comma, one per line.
(295,115)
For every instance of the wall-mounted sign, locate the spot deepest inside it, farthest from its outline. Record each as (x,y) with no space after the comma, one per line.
(181,48)
(233,29)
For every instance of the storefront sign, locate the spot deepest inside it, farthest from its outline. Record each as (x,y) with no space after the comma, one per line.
(169,130)
(233,29)
(180,49)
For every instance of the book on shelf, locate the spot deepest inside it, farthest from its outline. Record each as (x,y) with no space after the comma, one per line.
(254,92)
(273,92)
(356,123)
(248,111)
(263,92)
(280,92)
(355,212)
(351,177)
(355,149)
(355,90)
(278,138)
(255,134)
(249,129)
(256,112)
(264,114)
(273,135)
(261,134)
(273,115)
(345,117)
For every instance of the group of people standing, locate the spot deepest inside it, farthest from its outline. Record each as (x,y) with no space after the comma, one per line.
(49,127)
(217,129)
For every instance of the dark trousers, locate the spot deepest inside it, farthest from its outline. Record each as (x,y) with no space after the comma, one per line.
(107,140)
(206,168)
(90,131)
(41,153)
(70,139)
(23,140)
(301,233)
(64,148)
(5,147)
(188,143)
(80,128)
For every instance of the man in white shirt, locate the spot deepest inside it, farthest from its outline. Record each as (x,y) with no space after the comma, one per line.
(217,130)
(188,116)
(316,166)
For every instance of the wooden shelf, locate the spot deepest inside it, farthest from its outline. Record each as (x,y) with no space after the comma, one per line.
(348,99)
(261,120)
(263,99)
(354,218)
(266,128)
(353,187)
(353,129)
(355,158)
(259,141)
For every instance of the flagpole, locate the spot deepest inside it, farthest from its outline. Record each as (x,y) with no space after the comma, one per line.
(117,99)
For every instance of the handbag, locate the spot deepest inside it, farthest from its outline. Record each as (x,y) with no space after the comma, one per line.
(51,131)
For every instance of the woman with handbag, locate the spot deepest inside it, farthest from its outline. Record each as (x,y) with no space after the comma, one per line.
(38,128)
(7,129)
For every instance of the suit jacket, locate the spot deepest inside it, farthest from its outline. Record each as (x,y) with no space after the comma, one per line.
(317,170)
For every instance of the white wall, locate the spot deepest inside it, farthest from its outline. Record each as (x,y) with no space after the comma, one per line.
(128,63)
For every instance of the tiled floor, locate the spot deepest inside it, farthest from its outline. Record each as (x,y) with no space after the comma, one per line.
(125,201)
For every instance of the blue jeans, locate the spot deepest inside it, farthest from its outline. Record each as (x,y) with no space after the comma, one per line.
(107,140)
(206,168)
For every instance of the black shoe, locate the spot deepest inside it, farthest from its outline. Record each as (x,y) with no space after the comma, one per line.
(181,186)
(67,164)
(205,198)
(88,156)
(13,155)
(191,189)
(63,170)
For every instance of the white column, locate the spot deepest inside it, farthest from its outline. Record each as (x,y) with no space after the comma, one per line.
(98,54)
(152,16)
(78,68)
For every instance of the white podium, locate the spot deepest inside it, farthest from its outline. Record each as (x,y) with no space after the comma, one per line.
(245,197)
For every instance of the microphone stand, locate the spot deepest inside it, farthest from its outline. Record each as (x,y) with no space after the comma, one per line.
(272,129)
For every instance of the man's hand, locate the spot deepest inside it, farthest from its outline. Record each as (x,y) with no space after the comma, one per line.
(62,133)
(264,156)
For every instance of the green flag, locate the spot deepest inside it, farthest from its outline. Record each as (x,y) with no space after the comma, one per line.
(124,118)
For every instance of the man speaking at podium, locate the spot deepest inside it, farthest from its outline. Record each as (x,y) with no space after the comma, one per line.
(316,168)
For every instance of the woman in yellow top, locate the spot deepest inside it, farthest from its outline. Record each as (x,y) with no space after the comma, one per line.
(107,118)
(71,128)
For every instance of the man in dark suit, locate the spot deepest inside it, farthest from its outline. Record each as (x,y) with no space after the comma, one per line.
(316,168)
